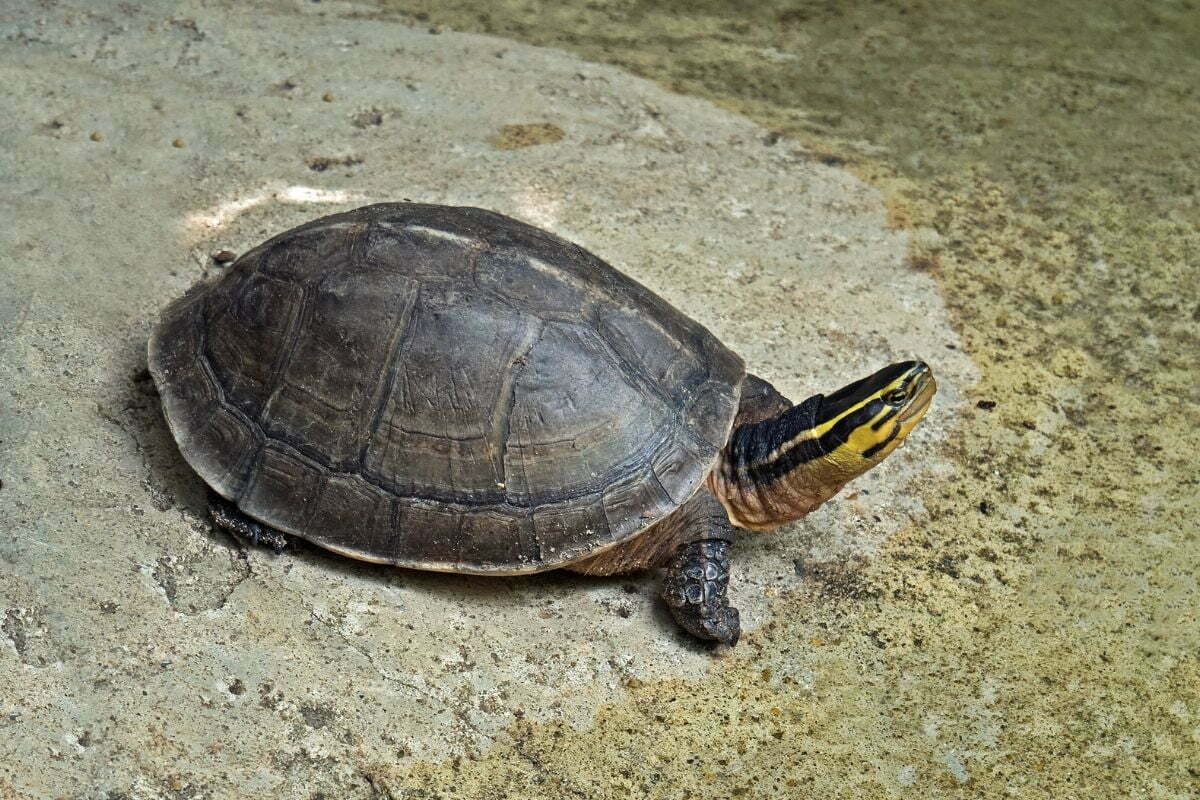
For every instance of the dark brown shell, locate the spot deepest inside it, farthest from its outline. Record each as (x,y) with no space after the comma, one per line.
(442,388)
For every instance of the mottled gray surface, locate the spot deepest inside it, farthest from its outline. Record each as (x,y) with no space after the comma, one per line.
(143,654)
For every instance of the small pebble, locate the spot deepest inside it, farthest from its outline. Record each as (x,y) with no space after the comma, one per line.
(96,136)
(177,143)
(328,97)
(224,256)
(986,405)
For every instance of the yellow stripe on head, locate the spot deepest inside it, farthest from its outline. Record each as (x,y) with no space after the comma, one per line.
(780,469)
(854,428)
(879,412)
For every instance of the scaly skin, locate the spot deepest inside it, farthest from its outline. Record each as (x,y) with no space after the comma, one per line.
(696,591)
(226,515)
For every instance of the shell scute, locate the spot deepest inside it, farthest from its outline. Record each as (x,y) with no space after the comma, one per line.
(525,281)
(247,326)
(326,394)
(574,527)
(283,473)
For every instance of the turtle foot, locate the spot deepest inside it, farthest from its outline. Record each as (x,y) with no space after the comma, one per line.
(696,591)
(227,516)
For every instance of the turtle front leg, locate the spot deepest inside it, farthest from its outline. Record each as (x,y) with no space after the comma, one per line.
(696,591)
(697,580)
(693,544)
(229,517)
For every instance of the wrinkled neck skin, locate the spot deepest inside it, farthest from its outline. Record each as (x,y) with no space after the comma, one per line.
(765,478)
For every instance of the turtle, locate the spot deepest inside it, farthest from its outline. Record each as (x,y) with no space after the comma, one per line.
(447,388)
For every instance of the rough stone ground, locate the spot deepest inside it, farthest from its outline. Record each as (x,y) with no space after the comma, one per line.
(145,655)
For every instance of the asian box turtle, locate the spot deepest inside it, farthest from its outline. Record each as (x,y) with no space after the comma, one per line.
(450,389)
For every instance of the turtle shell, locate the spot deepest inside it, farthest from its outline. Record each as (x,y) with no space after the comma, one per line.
(442,388)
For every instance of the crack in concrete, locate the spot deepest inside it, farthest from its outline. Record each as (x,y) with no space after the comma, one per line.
(164,575)
(367,656)
(468,728)
(164,570)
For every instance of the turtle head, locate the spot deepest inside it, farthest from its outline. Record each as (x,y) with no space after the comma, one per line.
(778,470)
(860,424)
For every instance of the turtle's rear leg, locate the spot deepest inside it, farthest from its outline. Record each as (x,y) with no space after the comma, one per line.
(227,516)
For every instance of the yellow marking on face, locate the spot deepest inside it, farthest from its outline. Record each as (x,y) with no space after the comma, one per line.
(863,437)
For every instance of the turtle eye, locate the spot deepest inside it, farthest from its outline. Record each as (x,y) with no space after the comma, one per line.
(895,397)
